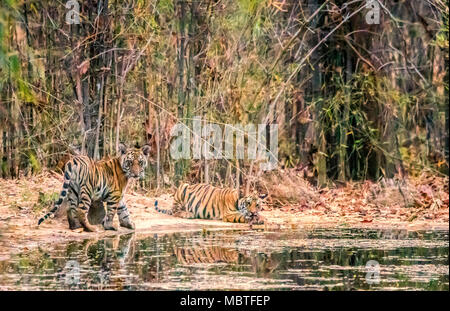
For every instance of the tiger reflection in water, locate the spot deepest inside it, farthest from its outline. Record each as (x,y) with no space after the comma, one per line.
(122,262)
(149,259)
(105,258)
(210,254)
(197,251)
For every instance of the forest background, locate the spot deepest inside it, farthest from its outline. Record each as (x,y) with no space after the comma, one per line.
(353,99)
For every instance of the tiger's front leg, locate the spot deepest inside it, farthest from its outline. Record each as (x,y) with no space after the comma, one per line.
(234,217)
(124,216)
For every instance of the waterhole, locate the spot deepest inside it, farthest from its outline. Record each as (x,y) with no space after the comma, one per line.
(320,259)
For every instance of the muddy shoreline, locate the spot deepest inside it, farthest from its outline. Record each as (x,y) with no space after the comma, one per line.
(20,209)
(19,234)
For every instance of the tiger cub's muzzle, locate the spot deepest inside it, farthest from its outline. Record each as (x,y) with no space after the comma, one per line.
(250,215)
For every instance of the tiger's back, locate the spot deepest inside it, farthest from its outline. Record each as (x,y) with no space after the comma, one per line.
(100,178)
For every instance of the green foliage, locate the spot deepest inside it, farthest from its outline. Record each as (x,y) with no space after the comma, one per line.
(349,102)
(165,7)
(250,6)
(45,201)
(4,167)
(34,162)
(14,66)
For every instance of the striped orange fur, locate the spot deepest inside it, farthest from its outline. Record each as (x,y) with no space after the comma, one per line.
(86,180)
(209,202)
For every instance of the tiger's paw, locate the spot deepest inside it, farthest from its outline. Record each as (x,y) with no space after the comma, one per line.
(258,220)
(75,226)
(128,225)
(74,223)
(109,227)
(90,228)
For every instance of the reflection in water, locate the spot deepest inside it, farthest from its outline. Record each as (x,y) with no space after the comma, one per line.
(325,259)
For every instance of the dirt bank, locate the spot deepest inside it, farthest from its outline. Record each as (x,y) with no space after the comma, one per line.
(23,201)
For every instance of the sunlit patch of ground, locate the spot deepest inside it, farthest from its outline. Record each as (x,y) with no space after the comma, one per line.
(23,201)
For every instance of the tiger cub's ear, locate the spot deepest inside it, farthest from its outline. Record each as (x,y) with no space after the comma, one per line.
(259,195)
(146,149)
(122,149)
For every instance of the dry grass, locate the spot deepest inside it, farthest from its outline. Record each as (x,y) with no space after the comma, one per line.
(423,198)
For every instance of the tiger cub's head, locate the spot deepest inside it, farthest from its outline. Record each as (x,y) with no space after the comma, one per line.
(134,160)
(250,206)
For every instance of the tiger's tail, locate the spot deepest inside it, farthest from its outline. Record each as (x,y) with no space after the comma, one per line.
(162,210)
(63,194)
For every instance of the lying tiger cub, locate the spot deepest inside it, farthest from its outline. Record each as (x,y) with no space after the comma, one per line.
(208,202)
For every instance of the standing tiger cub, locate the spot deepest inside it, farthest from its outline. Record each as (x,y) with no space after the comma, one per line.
(208,202)
(86,180)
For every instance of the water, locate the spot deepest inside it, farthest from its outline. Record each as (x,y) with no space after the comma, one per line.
(321,259)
